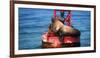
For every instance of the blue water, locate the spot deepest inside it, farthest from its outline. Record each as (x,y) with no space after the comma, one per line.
(34,22)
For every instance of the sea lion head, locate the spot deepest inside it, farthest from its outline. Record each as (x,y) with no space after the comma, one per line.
(56,24)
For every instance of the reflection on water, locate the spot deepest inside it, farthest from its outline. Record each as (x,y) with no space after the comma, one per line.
(34,22)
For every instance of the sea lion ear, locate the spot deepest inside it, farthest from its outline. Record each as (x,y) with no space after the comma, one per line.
(52,19)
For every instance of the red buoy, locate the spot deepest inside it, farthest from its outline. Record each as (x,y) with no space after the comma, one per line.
(50,40)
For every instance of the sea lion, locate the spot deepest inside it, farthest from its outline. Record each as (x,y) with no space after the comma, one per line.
(57,26)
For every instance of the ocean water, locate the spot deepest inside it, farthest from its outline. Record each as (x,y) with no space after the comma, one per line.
(34,22)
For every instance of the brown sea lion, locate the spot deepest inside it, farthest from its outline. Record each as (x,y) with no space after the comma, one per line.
(57,26)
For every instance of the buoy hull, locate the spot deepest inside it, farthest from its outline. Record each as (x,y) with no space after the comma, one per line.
(53,41)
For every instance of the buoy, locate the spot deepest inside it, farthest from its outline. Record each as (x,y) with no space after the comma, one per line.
(52,40)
